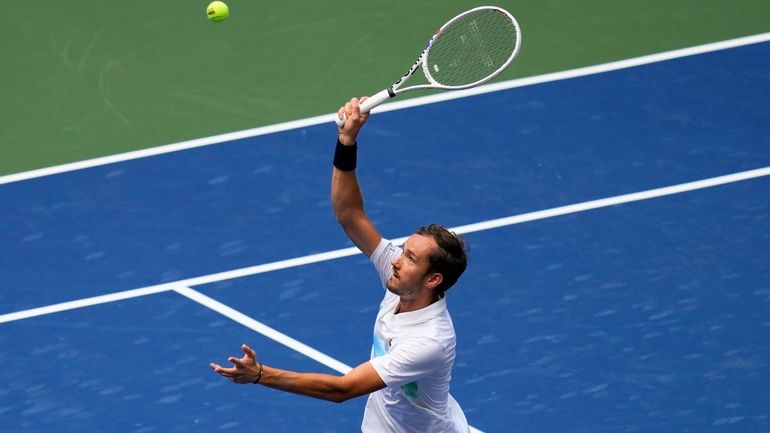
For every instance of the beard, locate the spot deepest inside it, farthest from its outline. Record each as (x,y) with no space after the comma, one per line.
(392,286)
(396,286)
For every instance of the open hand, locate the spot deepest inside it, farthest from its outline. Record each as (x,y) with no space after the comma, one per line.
(244,370)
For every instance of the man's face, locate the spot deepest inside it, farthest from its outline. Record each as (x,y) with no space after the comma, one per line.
(411,267)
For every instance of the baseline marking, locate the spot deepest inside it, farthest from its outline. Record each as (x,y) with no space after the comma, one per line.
(407,103)
(345,252)
(81,303)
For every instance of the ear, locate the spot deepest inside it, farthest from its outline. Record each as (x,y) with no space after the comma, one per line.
(433,280)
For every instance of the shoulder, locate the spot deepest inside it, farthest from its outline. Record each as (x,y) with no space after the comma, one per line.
(386,250)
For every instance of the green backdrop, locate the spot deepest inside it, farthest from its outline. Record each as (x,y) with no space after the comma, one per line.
(82,79)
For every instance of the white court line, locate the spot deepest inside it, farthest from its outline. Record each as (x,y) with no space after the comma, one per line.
(165,287)
(346,252)
(616,200)
(263,329)
(398,105)
(81,303)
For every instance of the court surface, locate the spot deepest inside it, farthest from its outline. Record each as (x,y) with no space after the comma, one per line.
(647,312)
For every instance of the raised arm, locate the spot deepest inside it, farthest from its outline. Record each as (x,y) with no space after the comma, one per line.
(347,201)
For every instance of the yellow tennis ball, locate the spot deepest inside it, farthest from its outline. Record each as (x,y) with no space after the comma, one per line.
(218,11)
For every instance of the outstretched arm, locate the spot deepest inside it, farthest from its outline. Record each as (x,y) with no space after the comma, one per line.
(359,381)
(347,200)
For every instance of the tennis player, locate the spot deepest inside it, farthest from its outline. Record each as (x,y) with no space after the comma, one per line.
(408,375)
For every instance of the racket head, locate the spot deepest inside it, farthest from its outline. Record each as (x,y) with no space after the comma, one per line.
(471,48)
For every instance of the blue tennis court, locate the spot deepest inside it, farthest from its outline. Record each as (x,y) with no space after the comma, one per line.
(121,283)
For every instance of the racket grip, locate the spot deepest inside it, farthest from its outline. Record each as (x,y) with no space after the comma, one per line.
(366,106)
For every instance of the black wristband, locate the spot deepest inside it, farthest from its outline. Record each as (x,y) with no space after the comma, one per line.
(345,156)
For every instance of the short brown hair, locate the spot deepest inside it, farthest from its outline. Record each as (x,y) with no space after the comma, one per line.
(450,258)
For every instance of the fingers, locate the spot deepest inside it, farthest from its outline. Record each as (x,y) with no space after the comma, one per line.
(361,101)
(352,109)
(226,372)
(249,352)
(354,120)
(241,371)
(238,374)
(239,363)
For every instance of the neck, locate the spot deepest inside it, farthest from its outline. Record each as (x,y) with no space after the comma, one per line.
(407,305)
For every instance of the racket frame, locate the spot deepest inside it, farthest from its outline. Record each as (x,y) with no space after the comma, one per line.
(395,89)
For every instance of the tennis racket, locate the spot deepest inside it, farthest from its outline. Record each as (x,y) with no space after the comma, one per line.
(470,49)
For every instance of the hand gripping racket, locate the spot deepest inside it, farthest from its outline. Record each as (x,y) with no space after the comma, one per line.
(470,49)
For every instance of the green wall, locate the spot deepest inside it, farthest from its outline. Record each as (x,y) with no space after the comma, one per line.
(82,79)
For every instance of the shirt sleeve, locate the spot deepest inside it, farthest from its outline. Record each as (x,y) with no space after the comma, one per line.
(385,253)
(409,360)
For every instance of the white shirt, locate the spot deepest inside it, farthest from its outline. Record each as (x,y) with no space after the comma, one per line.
(413,353)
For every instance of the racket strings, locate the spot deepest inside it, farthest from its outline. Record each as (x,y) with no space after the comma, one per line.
(471,49)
